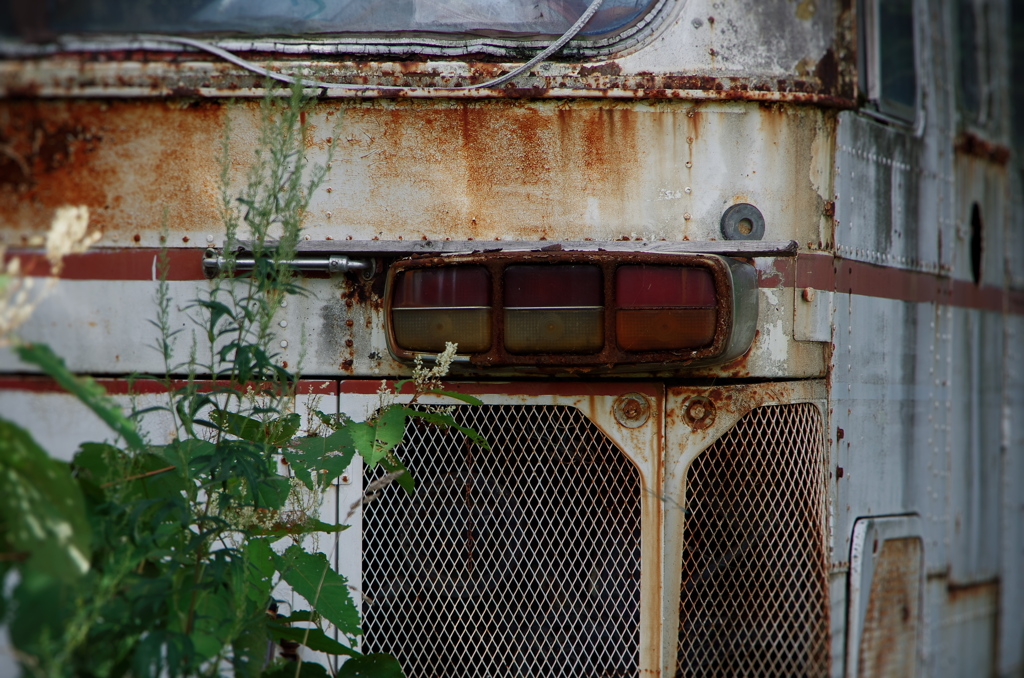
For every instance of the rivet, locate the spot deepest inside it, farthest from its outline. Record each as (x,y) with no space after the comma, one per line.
(686,216)
(284,344)
(283,323)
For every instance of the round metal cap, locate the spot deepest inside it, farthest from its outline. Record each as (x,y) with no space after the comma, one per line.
(743,222)
(632,410)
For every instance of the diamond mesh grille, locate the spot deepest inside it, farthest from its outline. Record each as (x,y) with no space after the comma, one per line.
(754,598)
(520,560)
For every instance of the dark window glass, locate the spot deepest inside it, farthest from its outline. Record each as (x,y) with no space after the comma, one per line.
(896,56)
(304,17)
(1017,76)
(967,52)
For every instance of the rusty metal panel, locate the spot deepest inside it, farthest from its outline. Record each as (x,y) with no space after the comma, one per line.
(888,642)
(886,605)
(754,591)
(966,633)
(427,169)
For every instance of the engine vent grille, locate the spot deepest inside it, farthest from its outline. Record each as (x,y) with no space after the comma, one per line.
(754,597)
(520,560)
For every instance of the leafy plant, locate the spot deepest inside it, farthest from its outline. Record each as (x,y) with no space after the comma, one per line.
(151,559)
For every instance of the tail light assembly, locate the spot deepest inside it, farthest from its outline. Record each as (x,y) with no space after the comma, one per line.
(563,309)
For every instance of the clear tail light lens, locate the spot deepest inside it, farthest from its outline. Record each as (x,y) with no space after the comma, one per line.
(554,309)
(431,306)
(663,308)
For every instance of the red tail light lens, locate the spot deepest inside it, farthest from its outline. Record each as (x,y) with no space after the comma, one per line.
(530,286)
(431,306)
(664,307)
(554,309)
(451,287)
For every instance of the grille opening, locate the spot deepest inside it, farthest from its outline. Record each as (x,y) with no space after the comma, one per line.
(754,593)
(520,560)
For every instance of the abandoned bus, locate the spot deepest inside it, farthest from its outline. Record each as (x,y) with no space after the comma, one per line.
(737,282)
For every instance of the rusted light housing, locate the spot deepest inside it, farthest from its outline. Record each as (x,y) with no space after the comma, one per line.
(431,306)
(553,309)
(661,308)
(606,310)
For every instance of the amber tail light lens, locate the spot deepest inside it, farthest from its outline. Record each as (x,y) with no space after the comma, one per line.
(431,306)
(662,308)
(553,309)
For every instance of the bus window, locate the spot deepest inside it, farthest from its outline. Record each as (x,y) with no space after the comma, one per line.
(890,57)
(968,67)
(526,18)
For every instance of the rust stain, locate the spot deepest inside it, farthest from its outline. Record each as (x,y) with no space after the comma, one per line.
(124,160)
(986,592)
(972,145)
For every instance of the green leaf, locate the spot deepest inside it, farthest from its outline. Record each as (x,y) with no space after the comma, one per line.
(85,389)
(313,638)
(393,464)
(275,431)
(468,399)
(310,525)
(311,576)
(249,651)
(371,666)
(447,421)
(259,575)
(181,453)
(390,429)
(42,510)
(99,463)
(272,492)
(287,669)
(323,458)
(373,440)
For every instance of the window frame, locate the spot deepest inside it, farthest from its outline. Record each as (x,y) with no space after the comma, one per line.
(870,66)
(369,46)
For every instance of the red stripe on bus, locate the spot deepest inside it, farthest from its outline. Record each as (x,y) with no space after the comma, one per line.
(124,386)
(122,264)
(817,271)
(832,274)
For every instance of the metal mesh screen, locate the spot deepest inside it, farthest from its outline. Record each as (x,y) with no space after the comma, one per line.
(520,560)
(754,597)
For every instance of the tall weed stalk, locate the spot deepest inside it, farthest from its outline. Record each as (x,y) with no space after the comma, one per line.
(176,546)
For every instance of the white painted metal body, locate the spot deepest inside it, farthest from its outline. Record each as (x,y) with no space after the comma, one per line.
(907,342)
